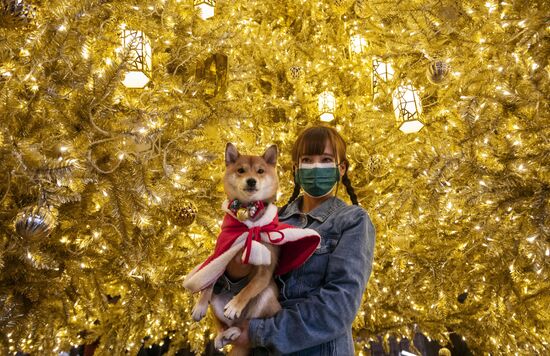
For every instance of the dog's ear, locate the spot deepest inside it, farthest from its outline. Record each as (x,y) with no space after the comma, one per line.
(231,154)
(270,155)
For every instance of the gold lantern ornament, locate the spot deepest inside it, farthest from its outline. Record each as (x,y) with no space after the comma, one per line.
(36,222)
(381,72)
(138,48)
(205,7)
(407,108)
(327,106)
(357,45)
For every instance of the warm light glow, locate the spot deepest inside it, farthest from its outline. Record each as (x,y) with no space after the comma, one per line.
(407,108)
(206,8)
(327,106)
(139,58)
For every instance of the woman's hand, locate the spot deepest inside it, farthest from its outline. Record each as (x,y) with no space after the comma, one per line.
(243,339)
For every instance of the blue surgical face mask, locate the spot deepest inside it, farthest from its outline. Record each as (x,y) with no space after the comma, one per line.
(317,179)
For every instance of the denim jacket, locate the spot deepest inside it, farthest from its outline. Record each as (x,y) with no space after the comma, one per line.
(321,298)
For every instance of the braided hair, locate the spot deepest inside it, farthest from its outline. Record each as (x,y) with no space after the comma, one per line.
(312,141)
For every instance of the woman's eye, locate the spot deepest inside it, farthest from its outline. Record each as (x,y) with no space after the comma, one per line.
(240,170)
(327,159)
(305,159)
(260,171)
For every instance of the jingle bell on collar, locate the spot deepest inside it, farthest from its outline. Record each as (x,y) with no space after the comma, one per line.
(246,211)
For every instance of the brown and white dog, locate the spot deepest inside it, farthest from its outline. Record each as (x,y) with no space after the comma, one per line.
(237,279)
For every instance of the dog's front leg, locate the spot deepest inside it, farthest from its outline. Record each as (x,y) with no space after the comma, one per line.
(199,311)
(259,281)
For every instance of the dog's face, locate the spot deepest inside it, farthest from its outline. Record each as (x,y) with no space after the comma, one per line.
(251,178)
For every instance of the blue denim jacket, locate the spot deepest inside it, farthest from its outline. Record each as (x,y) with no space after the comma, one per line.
(321,298)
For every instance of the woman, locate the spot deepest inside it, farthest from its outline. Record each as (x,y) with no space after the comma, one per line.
(320,299)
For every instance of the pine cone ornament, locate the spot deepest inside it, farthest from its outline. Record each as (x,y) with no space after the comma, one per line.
(438,72)
(36,222)
(15,13)
(377,165)
(295,74)
(182,212)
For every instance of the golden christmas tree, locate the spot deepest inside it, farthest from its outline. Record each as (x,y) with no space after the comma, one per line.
(114,119)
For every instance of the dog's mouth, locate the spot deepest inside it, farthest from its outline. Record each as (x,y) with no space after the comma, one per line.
(250,190)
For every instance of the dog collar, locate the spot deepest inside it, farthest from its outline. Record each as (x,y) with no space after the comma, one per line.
(245,211)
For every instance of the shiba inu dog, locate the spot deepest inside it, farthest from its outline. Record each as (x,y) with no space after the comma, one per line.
(237,279)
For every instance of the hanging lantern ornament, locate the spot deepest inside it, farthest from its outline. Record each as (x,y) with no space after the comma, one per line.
(205,7)
(139,52)
(36,222)
(438,72)
(407,108)
(16,13)
(357,45)
(382,72)
(327,106)
(182,212)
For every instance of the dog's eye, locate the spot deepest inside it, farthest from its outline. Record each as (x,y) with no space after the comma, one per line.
(240,170)
(260,171)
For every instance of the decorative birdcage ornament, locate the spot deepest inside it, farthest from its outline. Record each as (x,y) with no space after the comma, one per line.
(206,8)
(408,108)
(327,106)
(382,72)
(138,48)
(213,74)
(15,13)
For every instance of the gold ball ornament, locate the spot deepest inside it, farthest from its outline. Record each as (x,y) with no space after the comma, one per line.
(339,7)
(438,72)
(36,222)
(361,9)
(444,352)
(182,212)
(377,165)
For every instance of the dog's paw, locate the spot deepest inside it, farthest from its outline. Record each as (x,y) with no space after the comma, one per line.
(226,337)
(233,309)
(199,311)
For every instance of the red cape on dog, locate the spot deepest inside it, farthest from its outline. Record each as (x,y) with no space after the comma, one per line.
(296,246)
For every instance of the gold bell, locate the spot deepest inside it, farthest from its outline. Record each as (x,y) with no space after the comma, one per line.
(242,214)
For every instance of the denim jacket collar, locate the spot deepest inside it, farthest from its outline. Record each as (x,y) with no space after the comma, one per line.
(321,213)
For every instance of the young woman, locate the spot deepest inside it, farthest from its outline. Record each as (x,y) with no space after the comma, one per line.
(320,299)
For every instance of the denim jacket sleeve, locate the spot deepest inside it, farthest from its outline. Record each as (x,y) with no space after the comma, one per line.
(329,311)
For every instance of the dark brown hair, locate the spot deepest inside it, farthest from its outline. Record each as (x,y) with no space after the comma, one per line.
(312,141)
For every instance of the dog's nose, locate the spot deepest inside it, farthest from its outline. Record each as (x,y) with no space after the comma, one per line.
(251,182)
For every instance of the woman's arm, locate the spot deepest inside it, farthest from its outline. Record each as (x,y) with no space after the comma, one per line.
(329,312)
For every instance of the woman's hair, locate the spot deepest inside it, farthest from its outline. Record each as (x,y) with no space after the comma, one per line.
(312,141)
